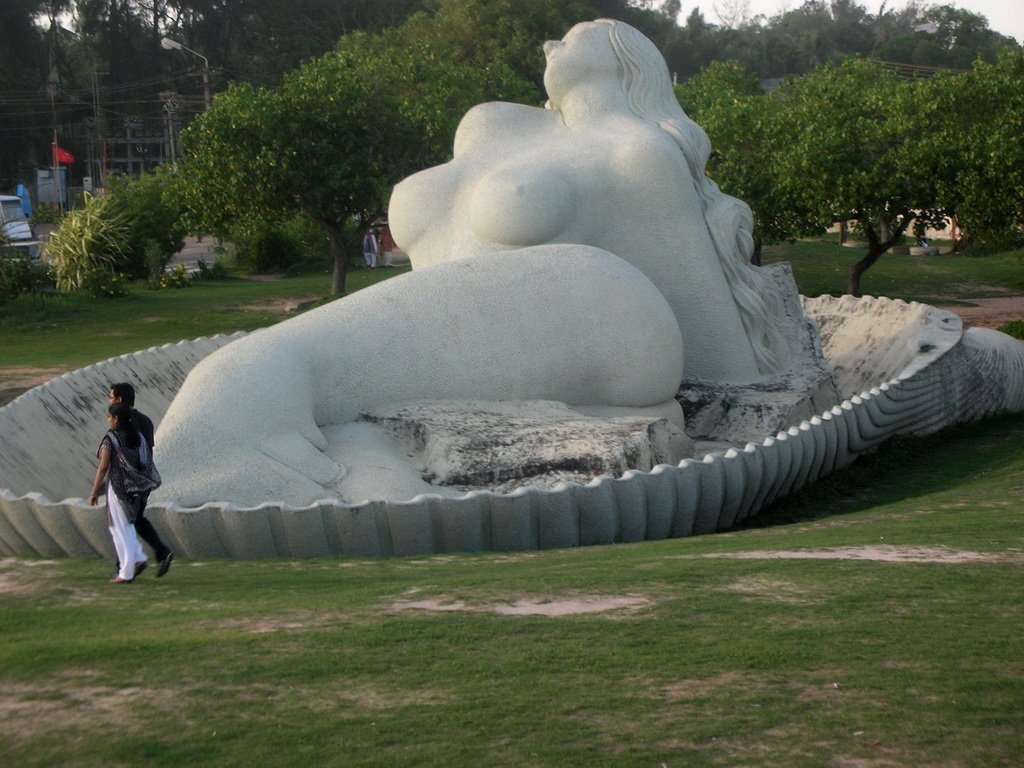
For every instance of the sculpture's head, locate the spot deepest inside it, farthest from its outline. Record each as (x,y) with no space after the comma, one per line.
(583,57)
(609,53)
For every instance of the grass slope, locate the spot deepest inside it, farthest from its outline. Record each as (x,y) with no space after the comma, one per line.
(895,640)
(822,267)
(72,331)
(731,656)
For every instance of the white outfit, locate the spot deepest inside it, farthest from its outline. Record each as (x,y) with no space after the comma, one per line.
(126,543)
(370,250)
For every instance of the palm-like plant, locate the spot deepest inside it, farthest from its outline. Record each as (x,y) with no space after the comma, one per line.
(90,242)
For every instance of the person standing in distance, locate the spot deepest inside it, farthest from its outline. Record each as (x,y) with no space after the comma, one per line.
(124,392)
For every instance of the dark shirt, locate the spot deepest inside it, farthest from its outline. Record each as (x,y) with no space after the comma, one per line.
(130,480)
(144,424)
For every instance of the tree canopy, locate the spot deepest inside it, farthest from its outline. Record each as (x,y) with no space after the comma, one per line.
(331,140)
(106,78)
(857,142)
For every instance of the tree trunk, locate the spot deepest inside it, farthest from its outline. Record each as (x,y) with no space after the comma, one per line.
(874,253)
(755,257)
(878,243)
(338,249)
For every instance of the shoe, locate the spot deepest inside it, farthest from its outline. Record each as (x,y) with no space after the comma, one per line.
(165,565)
(119,580)
(140,567)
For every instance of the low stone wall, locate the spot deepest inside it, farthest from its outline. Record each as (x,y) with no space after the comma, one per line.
(50,435)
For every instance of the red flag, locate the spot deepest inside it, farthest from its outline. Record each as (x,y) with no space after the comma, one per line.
(62,155)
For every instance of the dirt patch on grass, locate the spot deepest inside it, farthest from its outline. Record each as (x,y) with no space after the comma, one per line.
(29,712)
(773,589)
(881,553)
(572,605)
(24,577)
(281,306)
(296,621)
(988,312)
(17,379)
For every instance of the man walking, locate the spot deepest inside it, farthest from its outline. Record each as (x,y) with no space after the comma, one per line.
(125,393)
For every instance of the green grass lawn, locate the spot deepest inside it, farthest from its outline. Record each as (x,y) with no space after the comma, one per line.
(44,330)
(722,653)
(822,267)
(48,331)
(897,640)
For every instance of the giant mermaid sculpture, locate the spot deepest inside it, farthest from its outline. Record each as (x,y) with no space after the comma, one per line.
(576,254)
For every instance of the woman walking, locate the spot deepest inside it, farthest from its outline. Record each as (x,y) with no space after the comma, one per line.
(126,463)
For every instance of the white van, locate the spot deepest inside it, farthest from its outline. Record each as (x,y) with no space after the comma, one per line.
(17,231)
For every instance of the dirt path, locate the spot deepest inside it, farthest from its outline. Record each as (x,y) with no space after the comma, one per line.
(988,313)
(979,313)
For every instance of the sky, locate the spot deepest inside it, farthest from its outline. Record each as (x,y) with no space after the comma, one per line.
(1004,16)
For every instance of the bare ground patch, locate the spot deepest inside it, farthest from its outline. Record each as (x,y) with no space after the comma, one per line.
(281,306)
(17,379)
(988,312)
(34,711)
(569,605)
(24,577)
(773,589)
(880,553)
(295,621)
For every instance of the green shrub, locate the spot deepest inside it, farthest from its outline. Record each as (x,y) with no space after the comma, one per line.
(18,275)
(177,277)
(1014,328)
(46,214)
(91,240)
(153,214)
(105,283)
(296,245)
(215,271)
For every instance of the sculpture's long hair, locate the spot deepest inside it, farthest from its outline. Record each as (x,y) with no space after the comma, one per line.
(648,88)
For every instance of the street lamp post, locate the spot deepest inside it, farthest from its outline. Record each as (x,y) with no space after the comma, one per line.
(173,45)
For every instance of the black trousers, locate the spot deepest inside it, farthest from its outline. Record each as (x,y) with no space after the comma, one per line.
(148,534)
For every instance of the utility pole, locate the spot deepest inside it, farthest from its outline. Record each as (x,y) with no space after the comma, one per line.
(169,44)
(100,125)
(170,100)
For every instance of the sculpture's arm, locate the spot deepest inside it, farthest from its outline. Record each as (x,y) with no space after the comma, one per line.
(497,126)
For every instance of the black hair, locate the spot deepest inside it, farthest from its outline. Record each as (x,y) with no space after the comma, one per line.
(125,424)
(125,392)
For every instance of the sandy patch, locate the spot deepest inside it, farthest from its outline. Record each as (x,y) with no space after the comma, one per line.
(880,553)
(773,589)
(535,606)
(297,621)
(988,312)
(24,577)
(30,711)
(281,306)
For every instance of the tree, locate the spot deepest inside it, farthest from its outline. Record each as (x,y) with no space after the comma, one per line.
(152,207)
(854,153)
(976,125)
(330,141)
(742,123)
(485,33)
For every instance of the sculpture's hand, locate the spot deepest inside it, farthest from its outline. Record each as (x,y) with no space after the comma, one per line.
(296,453)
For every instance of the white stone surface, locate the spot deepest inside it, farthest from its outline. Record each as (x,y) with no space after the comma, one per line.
(873,338)
(572,324)
(509,301)
(458,445)
(614,163)
(979,375)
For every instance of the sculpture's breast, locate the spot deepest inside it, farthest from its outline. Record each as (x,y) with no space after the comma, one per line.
(521,204)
